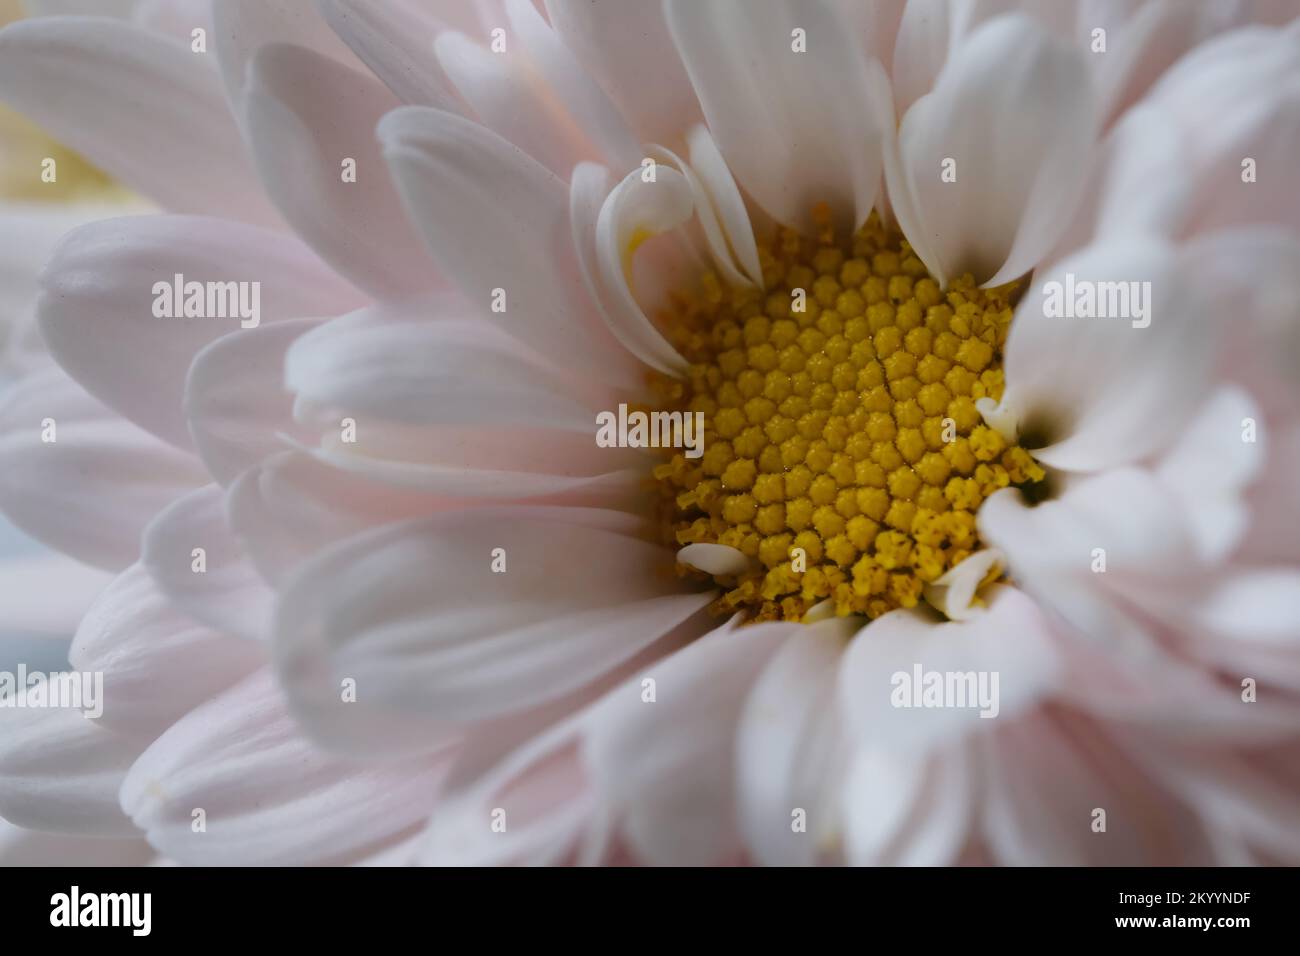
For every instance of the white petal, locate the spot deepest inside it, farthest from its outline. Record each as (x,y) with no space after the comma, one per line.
(713,558)
(622,314)
(926,32)
(1144,186)
(98,317)
(394,39)
(729,205)
(667,770)
(1127,512)
(1011,115)
(578,596)
(227,594)
(269,797)
(953,592)
(235,398)
(634,210)
(907,810)
(139,105)
(91,491)
(496,220)
(293,506)
(586,104)
(242,27)
(626,46)
(306,115)
(797,128)
(452,371)
(1004,658)
(714,237)
(505,464)
(786,748)
(499,89)
(1109,389)
(1262,604)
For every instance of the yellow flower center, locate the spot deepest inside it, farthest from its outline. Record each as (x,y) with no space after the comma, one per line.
(843,452)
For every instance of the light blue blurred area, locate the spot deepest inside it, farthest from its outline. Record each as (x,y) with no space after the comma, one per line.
(37,651)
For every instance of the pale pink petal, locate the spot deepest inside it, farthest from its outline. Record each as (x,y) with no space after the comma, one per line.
(1210,468)
(269,798)
(90,491)
(98,315)
(1249,82)
(307,115)
(629,778)
(458,371)
(1247,799)
(1141,44)
(157,664)
(1046,774)
(578,596)
(877,26)
(541,795)
(198,563)
(175,18)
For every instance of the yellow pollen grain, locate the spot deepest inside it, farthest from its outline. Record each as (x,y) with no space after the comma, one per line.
(843,453)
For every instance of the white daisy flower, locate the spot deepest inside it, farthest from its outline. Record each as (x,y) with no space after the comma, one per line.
(979,556)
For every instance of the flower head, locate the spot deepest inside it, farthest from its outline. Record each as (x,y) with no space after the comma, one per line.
(979,538)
